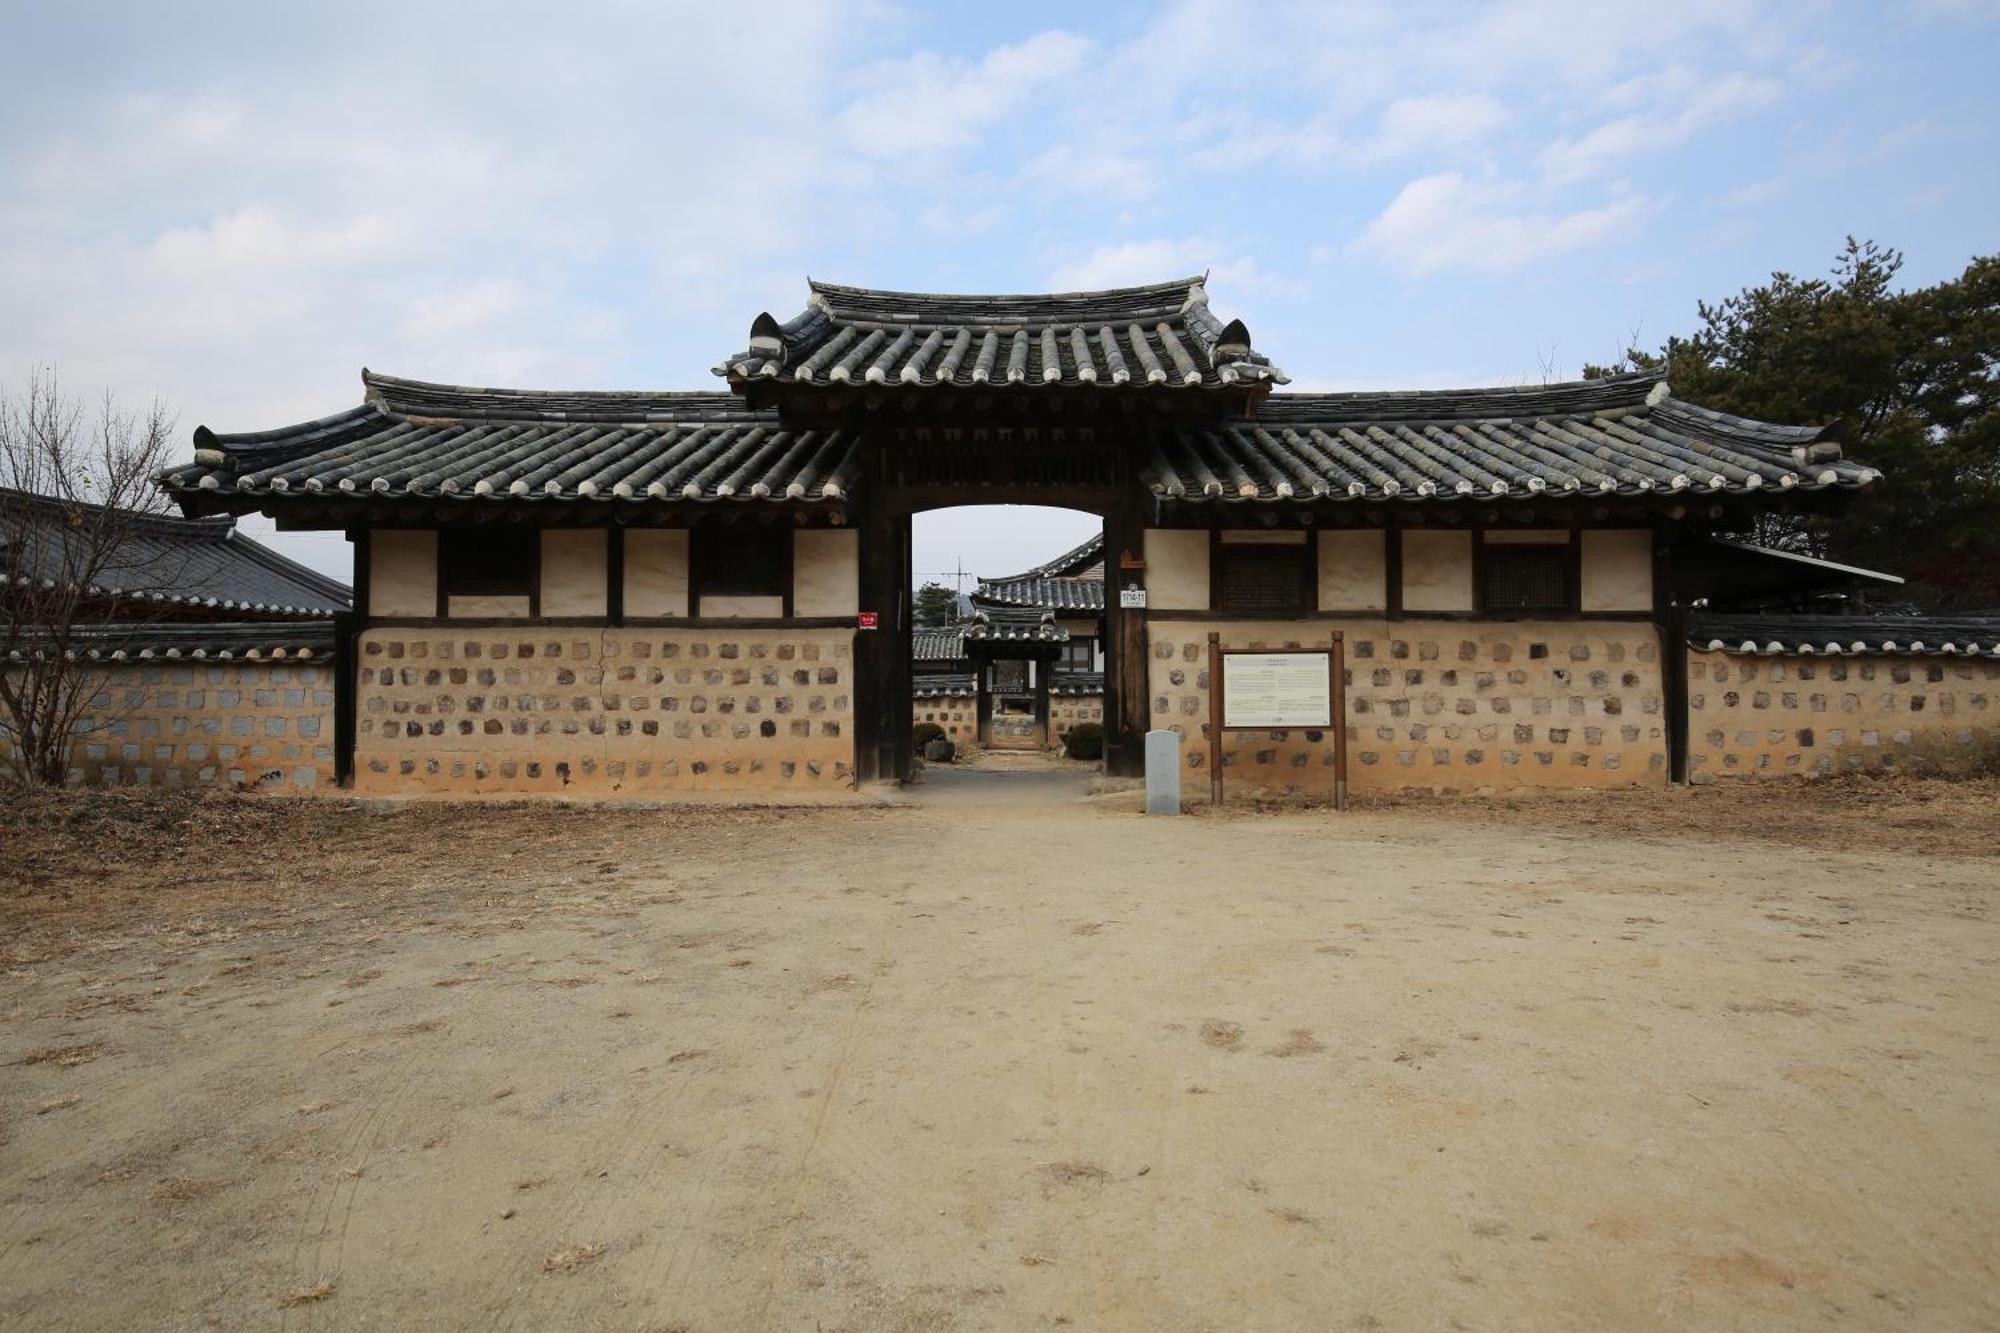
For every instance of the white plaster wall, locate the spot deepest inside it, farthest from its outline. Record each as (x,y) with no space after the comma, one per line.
(742,608)
(1618,570)
(487,606)
(402,572)
(1176,569)
(656,572)
(576,577)
(1437,571)
(826,572)
(1353,571)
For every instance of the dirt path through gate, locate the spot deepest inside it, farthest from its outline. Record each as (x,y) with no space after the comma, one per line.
(985,1064)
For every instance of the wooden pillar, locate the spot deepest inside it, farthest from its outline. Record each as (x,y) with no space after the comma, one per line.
(1126,696)
(1671,616)
(882,655)
(346,651)
(1044,669)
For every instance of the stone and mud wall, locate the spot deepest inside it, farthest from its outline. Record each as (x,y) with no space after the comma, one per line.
(958,714)
(262,726)
(603,711)
(1435,705)
(1798,714)
(1069,710)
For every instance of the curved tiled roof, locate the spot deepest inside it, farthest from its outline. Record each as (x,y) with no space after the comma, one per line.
(253,640)
(162,559)
(412,438)
(1076,560)
(937,645)
(1619,436)
(1062,681)
(944,685)
(1160,335)
(1006,625)
(1050,594)
(1932,636)
(1073,581)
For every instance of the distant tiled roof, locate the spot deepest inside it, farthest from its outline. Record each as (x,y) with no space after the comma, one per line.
(1159,335)
(1075,561)
(944,685)
(1006,625)
(1073,581)
(170,561)
(937,645)
(1619,436)
(250,640)
(1076,682)
(1918,635)
(1051,594)
(441,440)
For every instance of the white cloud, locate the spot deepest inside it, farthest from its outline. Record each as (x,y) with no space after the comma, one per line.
(1072,170)
(1610,144)
(1441,120)
(1135,263)
(465,308)
(1446,221)
(929,103)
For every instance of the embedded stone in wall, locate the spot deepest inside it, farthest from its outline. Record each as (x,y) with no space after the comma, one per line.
(609,710)
(1440,705)
(253,726)
(1814,716)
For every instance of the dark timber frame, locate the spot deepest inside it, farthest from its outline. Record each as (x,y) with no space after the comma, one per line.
(1005,471)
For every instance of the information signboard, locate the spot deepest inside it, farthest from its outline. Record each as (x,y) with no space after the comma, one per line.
(1263,690)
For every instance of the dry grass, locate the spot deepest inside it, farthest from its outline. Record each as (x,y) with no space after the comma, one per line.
(1898,813)
(318,1291)
(1222,1035)
(570,1258)
(182,1189)
(82,862)
(1299,1041)
(64,1057)
(1074,1173)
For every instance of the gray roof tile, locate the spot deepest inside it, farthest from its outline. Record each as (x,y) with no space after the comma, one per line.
(1161,335)
(1619,436)
(439,440)
(1930,636)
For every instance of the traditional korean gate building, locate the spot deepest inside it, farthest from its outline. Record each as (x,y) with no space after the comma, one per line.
(671,591)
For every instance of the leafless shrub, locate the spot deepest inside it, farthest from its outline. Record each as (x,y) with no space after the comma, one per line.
(75,489)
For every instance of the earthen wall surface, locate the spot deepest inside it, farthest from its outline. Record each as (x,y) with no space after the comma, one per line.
(266,726)
(603,711)
(1435,705)
(1807,715)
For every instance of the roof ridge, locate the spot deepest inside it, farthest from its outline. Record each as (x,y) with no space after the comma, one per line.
(1138,289)
(375,379)
(278,562)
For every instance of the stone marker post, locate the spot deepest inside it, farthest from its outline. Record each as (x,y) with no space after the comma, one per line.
(1163,773)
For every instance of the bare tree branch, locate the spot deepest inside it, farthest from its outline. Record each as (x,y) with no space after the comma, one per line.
(76,491)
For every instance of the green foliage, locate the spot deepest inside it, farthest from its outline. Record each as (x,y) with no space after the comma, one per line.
(923,734)
(936,606)
(1909,375)
(1085,740)
(940,750)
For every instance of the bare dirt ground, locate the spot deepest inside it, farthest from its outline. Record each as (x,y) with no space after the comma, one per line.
(1005,1059)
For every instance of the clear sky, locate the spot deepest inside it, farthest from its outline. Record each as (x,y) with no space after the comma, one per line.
(237,206)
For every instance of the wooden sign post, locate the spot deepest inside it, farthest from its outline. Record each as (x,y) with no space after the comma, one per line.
(1277,690)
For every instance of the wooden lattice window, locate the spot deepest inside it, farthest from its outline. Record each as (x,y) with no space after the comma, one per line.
(488,561)
(1527,578)
(741,561)
(1258,579)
